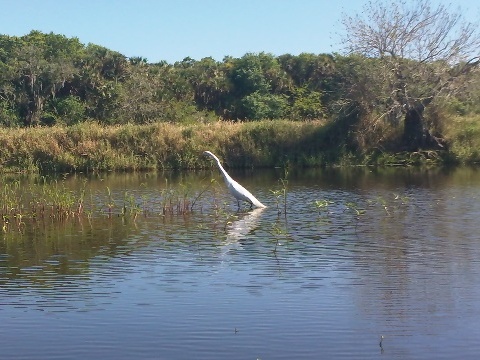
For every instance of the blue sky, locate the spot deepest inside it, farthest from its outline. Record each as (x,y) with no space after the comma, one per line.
(172,30)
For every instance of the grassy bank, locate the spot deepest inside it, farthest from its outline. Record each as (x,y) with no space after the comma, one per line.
(91,147)
(463,135)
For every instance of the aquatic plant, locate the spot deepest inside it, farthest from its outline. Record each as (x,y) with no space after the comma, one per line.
(355,208)
(280,195)
(174,202)
(36,202)
(322,206)
(47,199)
(279,231)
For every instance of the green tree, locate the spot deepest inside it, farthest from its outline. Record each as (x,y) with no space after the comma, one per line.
(258,105)
(306,104)
(8,95)
(39,67)
(211,85)
(145,93)
(69,110)
(99,81)
(256,78)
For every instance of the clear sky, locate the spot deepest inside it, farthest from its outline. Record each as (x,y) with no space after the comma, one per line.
(172,30)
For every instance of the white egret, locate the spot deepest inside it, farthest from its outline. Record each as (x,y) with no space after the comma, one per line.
(237,190)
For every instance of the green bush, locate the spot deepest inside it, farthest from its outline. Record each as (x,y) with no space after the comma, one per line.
(71,110)
(259,106)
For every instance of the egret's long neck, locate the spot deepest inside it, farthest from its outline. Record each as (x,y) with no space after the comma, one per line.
(226,177)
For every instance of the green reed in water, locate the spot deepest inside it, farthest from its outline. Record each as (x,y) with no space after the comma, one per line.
(280,195)
(34,203)
(279,231)
(174,202)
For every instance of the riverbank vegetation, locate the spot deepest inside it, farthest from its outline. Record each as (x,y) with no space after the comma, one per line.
(89,147)
(406,91)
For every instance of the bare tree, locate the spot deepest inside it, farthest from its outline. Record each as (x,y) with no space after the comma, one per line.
(422,53)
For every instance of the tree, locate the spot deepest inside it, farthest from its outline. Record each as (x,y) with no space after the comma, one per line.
(314,83)
(99,83)
(257,79)
(258,106)
(211,85)
(415,55)
(40,66)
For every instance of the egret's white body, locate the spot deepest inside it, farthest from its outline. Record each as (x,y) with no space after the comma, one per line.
(237,190)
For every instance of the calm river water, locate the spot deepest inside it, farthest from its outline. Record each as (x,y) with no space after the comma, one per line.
(358,255)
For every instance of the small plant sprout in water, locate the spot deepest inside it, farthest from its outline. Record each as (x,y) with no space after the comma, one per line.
(277,196)
(390,204)
(279,232)
(383,203)
(322,206)
(130,205)
(110,202)
(354,207)
(284,182)
(281,194)
(404,199)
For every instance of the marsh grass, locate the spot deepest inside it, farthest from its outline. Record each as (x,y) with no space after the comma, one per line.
(390,204)
(463,135)
(175,202)
(89,147)
(36,203)
(322,206)
(280,232)
(50,200)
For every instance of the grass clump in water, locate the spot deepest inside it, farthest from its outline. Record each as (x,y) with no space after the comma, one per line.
(32,204)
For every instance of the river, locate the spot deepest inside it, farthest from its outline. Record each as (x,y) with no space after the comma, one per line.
(359,254)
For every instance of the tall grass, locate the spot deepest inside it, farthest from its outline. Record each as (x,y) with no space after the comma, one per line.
(463,135)
(28,204)
(91,147)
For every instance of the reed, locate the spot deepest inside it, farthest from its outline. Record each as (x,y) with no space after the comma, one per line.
(322,206)
(463,135)
(88,147)
(279,231)
(92,147)
(280,195)
(50,200)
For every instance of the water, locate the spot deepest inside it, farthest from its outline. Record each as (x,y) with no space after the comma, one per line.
(393,253)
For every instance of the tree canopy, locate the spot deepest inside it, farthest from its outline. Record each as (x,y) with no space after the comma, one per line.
(400,59)
(47,79)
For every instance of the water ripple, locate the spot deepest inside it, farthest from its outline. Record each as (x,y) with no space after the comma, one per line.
(400,261)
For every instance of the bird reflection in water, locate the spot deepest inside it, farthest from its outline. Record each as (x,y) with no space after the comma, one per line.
(244,225)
